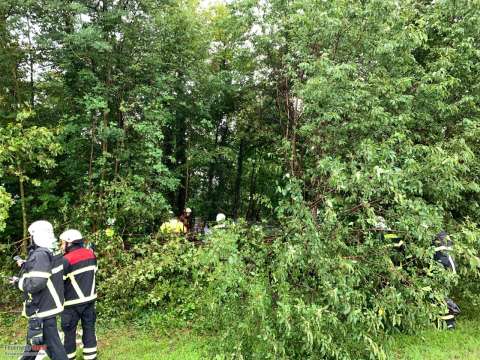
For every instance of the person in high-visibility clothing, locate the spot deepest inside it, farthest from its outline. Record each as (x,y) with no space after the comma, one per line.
(173,226)
(391,239)
(41,281)
(80,295)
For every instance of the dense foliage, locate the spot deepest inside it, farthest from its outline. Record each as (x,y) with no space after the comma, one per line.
(312,117)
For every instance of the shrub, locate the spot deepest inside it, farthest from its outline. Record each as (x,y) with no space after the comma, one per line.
(325,291)
(326,287)
(154,277)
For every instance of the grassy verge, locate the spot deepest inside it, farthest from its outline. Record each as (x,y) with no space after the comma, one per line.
(141,344)
(122,341)
(116,341)
(462,343)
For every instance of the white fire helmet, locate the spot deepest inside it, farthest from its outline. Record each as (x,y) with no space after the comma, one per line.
(71,235)
(221,217)
(42,234)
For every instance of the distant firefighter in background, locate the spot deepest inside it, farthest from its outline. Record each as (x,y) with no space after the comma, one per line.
(186,219)
(392,239)
(443,246)
(173,226)
(220,221)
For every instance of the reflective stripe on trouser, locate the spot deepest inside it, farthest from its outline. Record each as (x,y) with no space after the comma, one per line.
(70,318)
(54,347)
(449,320)
(90,355)
(89,338)
(69,321)
(72,356)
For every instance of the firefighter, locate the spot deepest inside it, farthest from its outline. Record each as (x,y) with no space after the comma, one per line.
(41,281)
(173,226)
(220,219)
(443,245)
(80,268)
(390,235)
(186,219)
(392,240)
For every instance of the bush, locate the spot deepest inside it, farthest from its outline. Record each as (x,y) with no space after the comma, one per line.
(11,296)
(323,291)
(154,277)
(327,289)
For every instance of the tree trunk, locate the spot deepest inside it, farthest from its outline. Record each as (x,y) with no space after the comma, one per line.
(238,180)
(92,148)
(181,156)
(16,95)
(30,60)
(211,174)
(168,153)
(187,171)
(24,215)
(105,126)
(251,204)
(120,147)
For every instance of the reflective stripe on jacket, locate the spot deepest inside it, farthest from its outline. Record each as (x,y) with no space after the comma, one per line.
(42,284)
(394,240)
(80,269)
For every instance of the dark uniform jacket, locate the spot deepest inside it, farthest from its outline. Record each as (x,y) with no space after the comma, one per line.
(80,268)
(443,246)
(42,284)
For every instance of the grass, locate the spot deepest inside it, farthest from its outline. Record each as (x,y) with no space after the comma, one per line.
(117,341)
(126,342)
(140,344)
(462,343)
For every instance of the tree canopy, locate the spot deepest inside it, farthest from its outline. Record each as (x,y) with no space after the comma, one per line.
(313,117)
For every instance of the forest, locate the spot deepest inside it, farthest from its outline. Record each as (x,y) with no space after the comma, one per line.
(303,121)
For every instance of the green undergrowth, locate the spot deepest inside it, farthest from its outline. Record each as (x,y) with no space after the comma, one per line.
(118,340)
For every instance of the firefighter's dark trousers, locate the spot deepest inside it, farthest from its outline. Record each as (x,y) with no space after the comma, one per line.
(52,343)
(70,318)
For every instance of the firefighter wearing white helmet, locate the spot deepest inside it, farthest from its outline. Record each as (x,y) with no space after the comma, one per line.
(186,219)
(71,236)
(220,221)
(80,294)
(41,281)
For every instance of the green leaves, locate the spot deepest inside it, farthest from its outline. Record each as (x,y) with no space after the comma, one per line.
(27,146)
(5,203)
(315,117)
